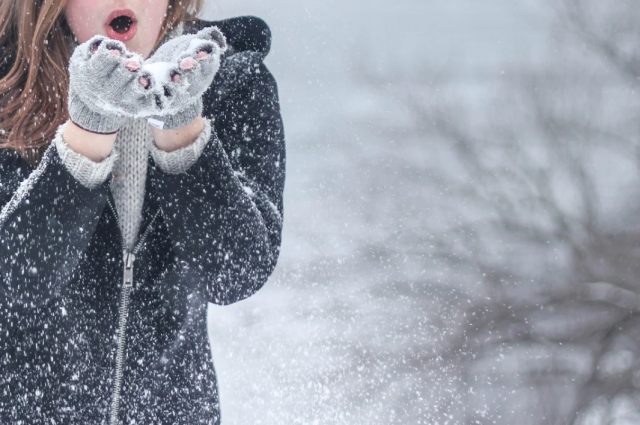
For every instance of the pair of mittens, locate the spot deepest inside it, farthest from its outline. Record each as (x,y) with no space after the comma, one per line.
(108,84)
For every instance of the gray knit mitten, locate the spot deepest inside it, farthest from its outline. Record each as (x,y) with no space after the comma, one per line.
(104,86)
(179,72)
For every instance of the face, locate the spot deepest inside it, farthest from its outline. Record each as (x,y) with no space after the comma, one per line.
(136,23)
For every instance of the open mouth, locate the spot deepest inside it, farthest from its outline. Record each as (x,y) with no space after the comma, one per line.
(121,25)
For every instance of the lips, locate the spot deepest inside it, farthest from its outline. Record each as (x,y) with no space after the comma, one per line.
(121,25)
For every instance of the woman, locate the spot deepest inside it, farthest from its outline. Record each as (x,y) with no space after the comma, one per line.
(114,234)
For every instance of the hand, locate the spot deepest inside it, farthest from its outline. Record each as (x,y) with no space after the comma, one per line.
(104,85)
(179,72)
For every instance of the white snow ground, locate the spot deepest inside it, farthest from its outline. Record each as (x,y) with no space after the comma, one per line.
(340,333)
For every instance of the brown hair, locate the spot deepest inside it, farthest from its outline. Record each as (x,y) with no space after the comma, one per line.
(34,39)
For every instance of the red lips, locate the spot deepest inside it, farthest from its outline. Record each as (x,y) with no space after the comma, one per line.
(121,25)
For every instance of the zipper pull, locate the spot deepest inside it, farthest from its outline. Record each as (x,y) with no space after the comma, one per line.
(129,258)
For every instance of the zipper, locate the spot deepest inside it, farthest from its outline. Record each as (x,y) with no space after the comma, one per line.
(127,284)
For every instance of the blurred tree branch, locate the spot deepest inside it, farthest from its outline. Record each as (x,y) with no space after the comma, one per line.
(559,270)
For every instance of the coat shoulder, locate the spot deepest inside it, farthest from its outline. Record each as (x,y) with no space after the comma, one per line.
(248,34)
(243,74)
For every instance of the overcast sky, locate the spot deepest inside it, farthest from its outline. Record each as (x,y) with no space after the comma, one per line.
(465,32)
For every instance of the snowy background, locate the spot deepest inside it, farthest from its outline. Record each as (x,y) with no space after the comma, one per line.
(424,216)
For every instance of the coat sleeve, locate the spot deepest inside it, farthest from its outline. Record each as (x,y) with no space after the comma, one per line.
(47,218)
(224,213)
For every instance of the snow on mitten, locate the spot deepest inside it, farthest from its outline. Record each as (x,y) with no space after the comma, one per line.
(104,85)
(179,72)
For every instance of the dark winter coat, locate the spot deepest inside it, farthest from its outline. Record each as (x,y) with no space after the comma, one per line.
(211,234)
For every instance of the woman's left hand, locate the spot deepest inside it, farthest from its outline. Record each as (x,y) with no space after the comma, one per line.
(179,72)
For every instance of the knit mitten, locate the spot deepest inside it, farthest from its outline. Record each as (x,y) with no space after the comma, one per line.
(104,86)
(179,72)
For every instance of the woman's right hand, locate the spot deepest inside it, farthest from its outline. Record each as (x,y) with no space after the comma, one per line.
(105,87)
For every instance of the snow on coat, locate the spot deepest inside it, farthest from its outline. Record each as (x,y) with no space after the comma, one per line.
(210,234)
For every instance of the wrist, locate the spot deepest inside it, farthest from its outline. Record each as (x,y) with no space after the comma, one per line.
(94,146)
(177,138)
